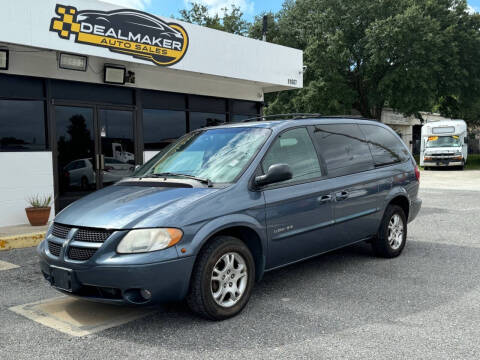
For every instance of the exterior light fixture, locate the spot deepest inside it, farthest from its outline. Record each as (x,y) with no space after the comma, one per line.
(3,59)
(72,62)
(114,74)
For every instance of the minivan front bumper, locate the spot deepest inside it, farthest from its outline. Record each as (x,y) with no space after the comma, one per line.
(165,281)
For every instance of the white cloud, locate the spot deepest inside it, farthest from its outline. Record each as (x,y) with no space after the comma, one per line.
(215,6)
(130,4)
(471,9)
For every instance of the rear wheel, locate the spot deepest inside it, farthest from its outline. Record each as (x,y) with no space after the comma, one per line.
(222,279)
(392,235)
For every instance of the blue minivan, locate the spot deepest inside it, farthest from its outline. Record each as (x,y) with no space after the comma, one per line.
(209,215)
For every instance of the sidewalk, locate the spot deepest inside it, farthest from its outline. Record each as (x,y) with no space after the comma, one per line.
(21,236)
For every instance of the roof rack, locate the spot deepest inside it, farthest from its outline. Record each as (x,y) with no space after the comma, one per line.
(298,116)
(291,116)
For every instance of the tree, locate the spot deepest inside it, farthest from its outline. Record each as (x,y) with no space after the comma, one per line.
(230,20)
(364,55)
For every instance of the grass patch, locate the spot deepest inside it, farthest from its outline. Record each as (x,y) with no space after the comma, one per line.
(473,162)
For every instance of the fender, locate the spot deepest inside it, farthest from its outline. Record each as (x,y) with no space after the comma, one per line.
(218,224)
(393,193)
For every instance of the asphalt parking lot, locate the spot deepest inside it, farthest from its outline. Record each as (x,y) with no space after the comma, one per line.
(347,304)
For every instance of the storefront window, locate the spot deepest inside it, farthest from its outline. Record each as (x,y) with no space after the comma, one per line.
(200,120)
(239,118)
(162,127)
(22,125)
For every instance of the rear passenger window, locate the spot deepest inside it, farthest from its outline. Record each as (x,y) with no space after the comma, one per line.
(385,146)
(343,148)
(294,148)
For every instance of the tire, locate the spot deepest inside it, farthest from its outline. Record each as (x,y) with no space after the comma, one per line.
(215,255)
(386,244)
(84,183)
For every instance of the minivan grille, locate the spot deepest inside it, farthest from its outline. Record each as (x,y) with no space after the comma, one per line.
(83,234)
(89,235)
(54,248)
(80,254)
(60,231)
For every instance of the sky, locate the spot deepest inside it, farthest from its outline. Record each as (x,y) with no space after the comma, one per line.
(250,8)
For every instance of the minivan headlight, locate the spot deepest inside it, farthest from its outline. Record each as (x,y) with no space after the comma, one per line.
(147,240)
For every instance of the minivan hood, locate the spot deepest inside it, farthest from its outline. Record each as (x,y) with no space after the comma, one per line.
(129,206)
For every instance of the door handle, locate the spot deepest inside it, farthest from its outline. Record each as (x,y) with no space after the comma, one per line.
(342,195)
(324,199)
(102,162)
(97,162)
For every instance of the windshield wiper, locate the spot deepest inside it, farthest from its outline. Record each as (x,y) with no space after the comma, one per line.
(167,174)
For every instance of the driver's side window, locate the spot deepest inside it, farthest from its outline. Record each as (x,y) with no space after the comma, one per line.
(294,148)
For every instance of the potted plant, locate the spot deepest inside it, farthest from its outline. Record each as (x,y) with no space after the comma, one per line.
(39,211)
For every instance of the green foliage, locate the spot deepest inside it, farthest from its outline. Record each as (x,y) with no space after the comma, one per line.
(40,201)
(364,55)
(411,55)
(231,20)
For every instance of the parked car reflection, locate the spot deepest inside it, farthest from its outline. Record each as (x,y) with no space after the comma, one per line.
(81,174)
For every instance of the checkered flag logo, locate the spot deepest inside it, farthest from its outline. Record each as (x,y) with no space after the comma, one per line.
(66,23)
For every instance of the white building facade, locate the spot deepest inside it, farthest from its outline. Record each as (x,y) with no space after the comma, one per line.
(88,91)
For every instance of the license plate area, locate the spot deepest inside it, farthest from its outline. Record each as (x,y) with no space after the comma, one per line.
(61,278)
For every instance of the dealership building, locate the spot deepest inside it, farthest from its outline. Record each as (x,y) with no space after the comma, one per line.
(89,90)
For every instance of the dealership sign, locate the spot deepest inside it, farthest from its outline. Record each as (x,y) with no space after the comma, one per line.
(131,32)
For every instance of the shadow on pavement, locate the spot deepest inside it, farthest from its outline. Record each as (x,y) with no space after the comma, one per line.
(327,294)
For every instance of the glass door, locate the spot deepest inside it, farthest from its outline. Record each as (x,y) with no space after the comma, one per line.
(75,151)
(117,145)
(94,148)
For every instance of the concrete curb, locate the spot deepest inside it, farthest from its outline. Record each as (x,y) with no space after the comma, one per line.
(21,241)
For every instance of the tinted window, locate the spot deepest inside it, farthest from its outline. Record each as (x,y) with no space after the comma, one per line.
(162,127)
(204,103)
(22,125)
(244,107)
(386,148)
(163,100)
(240,118)
(200,120)
(20,87)
(70,90)
(343,148)
(294,148)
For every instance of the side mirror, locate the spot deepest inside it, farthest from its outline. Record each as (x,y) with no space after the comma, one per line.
(276,173)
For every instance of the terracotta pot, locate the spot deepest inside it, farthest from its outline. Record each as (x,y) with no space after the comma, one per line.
(38,216)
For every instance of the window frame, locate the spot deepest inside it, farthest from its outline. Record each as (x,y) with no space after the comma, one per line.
(259,169)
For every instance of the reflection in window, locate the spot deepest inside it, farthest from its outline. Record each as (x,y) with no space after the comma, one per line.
(294,148)
(343,148)
(386,148)
(22,125)
(162,127)
(200,120)
(219,155)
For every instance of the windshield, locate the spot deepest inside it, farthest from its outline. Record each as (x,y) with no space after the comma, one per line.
(443,141)
(217,155)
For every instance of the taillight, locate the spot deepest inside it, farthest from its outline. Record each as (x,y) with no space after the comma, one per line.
(417,173)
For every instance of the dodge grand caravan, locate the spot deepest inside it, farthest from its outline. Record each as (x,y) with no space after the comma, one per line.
(206,217)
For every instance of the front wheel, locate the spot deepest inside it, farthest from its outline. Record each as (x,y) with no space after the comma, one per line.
(392,235)
(222,279)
